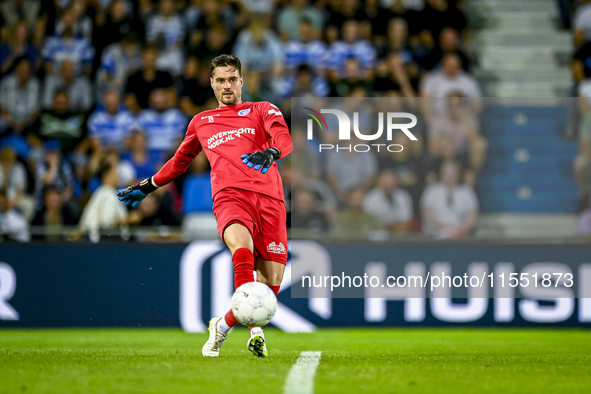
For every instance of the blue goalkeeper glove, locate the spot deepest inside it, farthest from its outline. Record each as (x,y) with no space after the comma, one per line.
(262,159)
(133,195)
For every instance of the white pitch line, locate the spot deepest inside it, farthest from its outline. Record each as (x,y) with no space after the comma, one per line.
(300,379)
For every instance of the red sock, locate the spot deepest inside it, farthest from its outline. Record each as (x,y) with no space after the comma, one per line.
(230,319)
(243,262)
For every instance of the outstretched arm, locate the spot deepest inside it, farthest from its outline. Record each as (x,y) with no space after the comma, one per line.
(189,149)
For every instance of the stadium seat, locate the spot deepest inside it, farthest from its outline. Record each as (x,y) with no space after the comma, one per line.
(197,194)
(529,166)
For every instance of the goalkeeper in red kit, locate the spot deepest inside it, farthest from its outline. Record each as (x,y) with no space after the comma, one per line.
(242,141)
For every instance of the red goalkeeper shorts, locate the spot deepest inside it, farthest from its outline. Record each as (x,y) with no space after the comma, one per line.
(262,215)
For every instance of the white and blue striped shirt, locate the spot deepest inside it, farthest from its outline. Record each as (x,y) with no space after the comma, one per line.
(110,129)
(362,50)
(289,87)
(163,129)
(58,49)
(312,53)
(172,28)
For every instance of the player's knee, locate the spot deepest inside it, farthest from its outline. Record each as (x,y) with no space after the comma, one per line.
(236,236)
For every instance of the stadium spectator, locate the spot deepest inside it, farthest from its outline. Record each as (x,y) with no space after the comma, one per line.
(582,22)
(20,93)
(217,41)
(392,78)
(154,213)
(54,215)
(14,181)
(195,94)
(114,26)
(54,171)
(391,204)
(119,60)
(145,163)
(347,170)
(304,158)
(18,47)
(78,88)
(354,222)
(581,63)
(141,84)
(305,216)
(449,42)
(14,12)
(91,174)
(325,199)
(346,10)
(13,224)
(109,127)
(261,53)
(305,83)
(409,165)
(460,127)
(59,123)
(449,210)
(164,126)
(354,77)
(395,41)
(291,17)
(582,162)
(68,46)
(83,25)
(202,15)
(355,103)
(584,226)
(450,80)
(351,46)
(439,14)
(166,30)
(565,8)
(403,9)
(103,211)
(306,48)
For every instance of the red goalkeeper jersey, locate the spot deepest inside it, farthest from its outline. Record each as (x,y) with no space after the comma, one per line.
(225,134)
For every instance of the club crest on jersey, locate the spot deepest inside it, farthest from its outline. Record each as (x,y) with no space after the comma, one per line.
(277,249)
(244,112)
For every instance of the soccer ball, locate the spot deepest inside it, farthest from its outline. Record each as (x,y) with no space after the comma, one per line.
(254,304)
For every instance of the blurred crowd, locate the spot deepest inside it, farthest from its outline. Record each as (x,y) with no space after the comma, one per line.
(96,95)
(576,15)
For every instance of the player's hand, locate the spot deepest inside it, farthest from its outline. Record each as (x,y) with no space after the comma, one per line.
(133,195)
(262,159)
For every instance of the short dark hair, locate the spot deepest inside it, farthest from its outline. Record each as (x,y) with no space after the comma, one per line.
(226,61)
(104,168)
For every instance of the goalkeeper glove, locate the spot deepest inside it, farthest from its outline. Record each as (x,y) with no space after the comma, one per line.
(262,159)
(133,195)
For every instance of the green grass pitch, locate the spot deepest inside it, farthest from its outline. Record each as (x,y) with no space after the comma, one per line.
(353,361)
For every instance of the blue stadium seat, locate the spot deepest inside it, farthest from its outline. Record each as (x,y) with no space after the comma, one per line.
(197,194)
(529,164)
